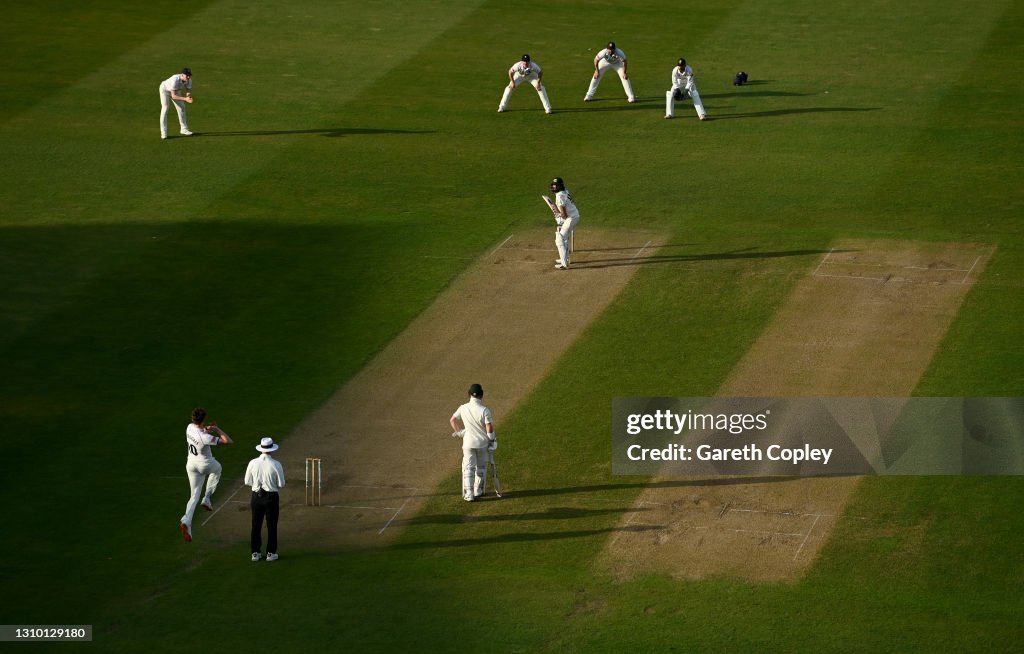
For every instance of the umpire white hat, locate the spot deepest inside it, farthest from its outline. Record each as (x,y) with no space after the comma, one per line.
(267,444)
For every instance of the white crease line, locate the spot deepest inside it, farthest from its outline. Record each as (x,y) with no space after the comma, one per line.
(384,487)
(495,250)
(801,548)
(831,250)
(968,275)
(388,523)
(890,265)
(894,265)
(890,280)
(640,251)
(936,269)
(874,279)
(332,506)
(219,506)
(817,515)
(763,531)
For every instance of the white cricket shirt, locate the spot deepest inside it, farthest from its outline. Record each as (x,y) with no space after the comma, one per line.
(475,417)
(264,472)
(199,442)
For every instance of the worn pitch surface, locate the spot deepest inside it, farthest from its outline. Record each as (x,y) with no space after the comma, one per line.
(865,321)
(383,439)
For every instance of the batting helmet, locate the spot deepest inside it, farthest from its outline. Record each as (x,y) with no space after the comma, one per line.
(557,184)
(526,58)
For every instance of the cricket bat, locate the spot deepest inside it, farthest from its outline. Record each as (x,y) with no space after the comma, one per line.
(558,215)
(494,473)
(551,205)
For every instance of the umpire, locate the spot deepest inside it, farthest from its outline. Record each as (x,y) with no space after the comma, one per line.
(265,475)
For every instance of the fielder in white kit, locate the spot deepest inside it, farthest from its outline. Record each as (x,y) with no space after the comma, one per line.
(683,86)
(475,424)
(176,90)
(568,217)
(610,58)
(199,437)
(525,70)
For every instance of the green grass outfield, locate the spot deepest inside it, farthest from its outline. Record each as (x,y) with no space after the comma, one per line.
(350,163)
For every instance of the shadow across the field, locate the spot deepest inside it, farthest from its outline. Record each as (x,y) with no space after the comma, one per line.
(754,94)
(330,133)
(787,112)
(520,537)
(549,513)
(620,104)
(745,253)
(669,483)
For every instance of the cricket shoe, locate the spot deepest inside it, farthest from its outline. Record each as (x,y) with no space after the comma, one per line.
(561,266)
(186,132)
(186,532)
(256,556)
(271,556)
(207,505)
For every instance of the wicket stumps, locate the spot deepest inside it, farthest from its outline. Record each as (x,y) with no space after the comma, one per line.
(314,481)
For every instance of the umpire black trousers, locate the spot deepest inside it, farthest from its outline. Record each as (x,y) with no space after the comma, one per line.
(264,504)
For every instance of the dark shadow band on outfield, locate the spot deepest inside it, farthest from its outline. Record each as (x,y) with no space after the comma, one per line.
(641,104)
(519,537)
(330,133)
(684,258)
(670,483)
(787,112)
(633,248)
(755,94)
(550,513)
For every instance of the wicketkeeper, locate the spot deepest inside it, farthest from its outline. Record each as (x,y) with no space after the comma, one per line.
(683,87)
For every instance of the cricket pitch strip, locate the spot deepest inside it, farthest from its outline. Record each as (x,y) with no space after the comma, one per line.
(865,321)
(383,438)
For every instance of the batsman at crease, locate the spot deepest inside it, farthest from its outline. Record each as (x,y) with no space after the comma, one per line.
(567,216)
(474,424)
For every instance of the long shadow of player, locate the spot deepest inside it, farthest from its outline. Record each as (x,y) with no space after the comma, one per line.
(330,132)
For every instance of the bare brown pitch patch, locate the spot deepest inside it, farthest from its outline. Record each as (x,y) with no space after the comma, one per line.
(865,322)
(384,439)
